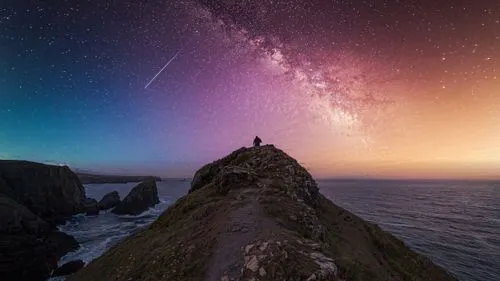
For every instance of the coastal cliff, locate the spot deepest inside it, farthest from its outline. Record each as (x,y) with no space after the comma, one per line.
(54,193)
(87,178)
(34,198)
(256,214)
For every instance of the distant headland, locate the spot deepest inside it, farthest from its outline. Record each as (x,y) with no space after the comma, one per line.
(87,178)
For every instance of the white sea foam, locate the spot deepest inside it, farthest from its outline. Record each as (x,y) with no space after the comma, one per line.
(96,234)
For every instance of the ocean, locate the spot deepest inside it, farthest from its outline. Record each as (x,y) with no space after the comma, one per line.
(456,224)
(97,233)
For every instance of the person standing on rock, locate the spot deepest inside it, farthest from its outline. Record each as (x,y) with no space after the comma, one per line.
(256,141)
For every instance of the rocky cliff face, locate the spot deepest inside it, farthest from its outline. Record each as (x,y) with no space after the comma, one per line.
(53,193)
(33,199)
(109,200)
(258,215)
(139,199)
(29,247)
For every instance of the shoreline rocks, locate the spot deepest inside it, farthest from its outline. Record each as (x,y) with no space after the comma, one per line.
(91,207)
(140,198)
(29,246)
(34,199)
(54,193)
(109,200)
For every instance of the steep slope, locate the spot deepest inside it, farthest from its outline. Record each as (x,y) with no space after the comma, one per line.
(258,215)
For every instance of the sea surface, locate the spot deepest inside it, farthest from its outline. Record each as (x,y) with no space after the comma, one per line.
(456,224)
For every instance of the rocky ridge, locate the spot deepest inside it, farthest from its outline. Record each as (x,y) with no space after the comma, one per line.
(256,214)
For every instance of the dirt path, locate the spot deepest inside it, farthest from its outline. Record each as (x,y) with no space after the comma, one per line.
(246,223)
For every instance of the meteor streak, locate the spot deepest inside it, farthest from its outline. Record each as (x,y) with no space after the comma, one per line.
(163,68)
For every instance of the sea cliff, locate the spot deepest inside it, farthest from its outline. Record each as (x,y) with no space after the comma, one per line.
(34,198)
(54,193)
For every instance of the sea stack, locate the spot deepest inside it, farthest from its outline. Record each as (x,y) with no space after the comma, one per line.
(258,215)
(109,200)
(139,199)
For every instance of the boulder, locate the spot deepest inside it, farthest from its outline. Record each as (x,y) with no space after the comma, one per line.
(91,207)
(53,193)
(140,198)
(29,246)
(109,200)
(258,215)
(68,268)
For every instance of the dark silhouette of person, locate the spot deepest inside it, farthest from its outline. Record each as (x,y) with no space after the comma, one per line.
(256,141)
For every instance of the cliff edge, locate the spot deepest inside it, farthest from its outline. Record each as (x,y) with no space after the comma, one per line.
(34,199)
(258,215)
(54,193)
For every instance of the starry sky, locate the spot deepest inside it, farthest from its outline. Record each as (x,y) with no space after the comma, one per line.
(391,89)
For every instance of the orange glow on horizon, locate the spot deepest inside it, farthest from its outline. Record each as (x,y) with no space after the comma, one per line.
(456,135)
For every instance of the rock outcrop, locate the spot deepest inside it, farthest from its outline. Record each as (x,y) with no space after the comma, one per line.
(91,207)
(258,215)
(109,200)
(139,199)
(54,193)
(29,246)
(34,198)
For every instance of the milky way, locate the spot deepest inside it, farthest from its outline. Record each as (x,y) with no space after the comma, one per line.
(377,88)
(335,88)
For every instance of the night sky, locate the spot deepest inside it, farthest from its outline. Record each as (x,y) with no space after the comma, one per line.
(405,89)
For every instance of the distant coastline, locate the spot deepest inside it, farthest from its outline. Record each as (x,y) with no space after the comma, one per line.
(87,178)
(368,179)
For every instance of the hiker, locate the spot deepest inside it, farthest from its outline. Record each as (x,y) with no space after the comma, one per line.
(256,141)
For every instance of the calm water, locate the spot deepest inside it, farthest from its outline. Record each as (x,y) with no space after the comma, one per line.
(456,224)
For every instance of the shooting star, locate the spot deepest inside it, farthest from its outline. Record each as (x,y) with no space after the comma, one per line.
(163,68)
